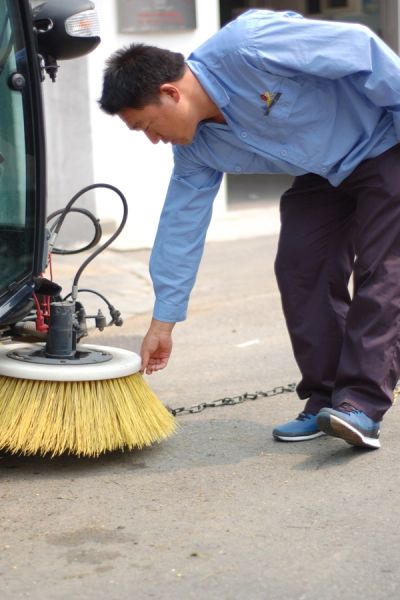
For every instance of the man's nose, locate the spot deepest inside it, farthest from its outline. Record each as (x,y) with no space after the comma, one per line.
(153,137)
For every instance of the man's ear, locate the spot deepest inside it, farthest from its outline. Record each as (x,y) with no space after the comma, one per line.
(171,91)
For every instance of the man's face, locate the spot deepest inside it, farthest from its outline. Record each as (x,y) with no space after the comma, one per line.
(169,121)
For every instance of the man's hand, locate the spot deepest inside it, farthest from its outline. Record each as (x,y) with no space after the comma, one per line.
(156,346)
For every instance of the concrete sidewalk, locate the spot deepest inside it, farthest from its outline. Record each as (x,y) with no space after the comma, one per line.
(220,511)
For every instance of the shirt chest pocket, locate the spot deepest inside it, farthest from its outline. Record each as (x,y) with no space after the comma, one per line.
(277,96)
(262,104)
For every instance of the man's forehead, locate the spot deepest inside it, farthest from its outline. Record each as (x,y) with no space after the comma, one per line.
(131,117)
(136,115)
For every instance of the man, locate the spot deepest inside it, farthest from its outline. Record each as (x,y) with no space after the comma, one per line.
(271,93)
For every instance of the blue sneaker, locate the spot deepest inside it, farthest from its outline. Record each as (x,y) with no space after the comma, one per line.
(350,424)
(304,427)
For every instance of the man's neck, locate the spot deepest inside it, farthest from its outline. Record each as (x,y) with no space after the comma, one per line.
(206,107)
(219,118)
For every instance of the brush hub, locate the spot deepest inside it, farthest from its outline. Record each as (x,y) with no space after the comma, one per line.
(81,357)
(24,361)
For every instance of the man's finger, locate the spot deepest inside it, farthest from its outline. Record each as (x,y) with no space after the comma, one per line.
(145,360)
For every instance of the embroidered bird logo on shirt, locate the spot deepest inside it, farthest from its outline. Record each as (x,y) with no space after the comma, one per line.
(270,99)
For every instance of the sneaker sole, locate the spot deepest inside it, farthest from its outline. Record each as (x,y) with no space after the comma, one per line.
(297,438)
(333,425)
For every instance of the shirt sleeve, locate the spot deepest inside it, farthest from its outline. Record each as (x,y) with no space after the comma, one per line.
(180,238)
(289,45)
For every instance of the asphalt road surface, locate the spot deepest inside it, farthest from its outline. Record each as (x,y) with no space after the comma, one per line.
(220,511)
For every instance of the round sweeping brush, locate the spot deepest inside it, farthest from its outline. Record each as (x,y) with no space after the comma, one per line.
(60,398)
(95,402)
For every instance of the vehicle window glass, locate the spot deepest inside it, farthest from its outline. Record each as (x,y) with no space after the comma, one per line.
(16,222)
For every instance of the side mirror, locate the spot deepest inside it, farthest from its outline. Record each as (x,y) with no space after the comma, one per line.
(65,30)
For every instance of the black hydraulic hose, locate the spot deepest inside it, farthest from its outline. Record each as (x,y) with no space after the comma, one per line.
(95,222)
(95,292)
(115,314)
(60,221)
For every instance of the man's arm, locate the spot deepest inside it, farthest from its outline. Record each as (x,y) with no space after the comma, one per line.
(176,256)
(179,242)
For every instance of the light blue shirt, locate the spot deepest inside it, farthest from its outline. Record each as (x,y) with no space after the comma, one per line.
(298,96)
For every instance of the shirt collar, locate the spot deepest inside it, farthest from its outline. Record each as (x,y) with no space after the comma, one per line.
(209,83)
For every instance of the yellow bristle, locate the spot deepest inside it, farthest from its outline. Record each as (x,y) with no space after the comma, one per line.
(85,418)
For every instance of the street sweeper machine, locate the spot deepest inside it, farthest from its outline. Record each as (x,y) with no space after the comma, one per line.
(56,394)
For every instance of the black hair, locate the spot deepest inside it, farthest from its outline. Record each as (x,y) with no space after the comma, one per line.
(134,74)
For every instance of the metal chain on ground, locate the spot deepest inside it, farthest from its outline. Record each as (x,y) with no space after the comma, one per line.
(231,400)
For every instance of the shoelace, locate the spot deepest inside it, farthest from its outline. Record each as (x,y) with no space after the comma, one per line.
(345,407)
(304,416)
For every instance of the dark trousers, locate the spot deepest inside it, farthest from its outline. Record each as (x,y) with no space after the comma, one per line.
(347,345)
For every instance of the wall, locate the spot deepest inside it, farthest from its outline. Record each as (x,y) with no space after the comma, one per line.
(69,143)
(127,159)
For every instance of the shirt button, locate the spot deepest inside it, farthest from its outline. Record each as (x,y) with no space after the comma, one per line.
(283,152)
(238,169)
(324,170)
(244,134)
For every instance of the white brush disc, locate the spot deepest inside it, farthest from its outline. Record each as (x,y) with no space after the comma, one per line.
(122,364)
